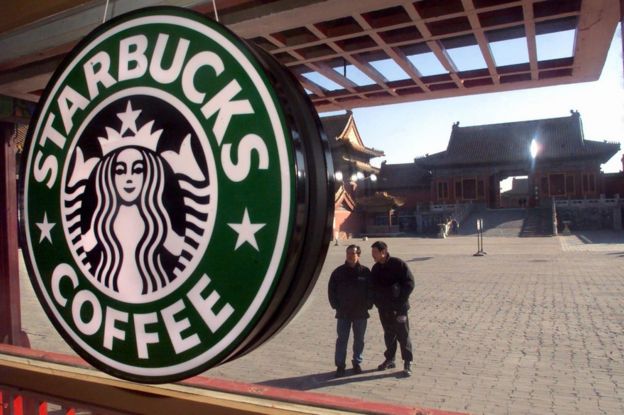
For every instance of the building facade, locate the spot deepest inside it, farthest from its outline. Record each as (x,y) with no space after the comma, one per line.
(553,153)
(552,156)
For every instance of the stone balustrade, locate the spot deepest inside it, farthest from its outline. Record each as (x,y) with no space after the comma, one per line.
(589,202)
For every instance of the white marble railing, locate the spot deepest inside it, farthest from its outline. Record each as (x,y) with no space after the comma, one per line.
(458,211)
(589,202)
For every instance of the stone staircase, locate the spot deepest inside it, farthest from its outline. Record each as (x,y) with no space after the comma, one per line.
(538,222)
(533,222)
(496,222)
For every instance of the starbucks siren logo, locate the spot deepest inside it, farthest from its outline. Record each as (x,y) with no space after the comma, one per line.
(158,195)
(128,243)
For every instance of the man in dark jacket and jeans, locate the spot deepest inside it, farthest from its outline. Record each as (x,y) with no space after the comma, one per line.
(349,294)
(393,283)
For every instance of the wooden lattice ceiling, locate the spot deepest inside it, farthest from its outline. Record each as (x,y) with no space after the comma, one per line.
(334,38)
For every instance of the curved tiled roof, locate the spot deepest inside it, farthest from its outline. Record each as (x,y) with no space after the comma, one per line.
(396,176)
(336,126)
(557,138)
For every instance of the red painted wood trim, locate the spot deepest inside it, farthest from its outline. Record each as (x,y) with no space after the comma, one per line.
(18,405)
(255,390)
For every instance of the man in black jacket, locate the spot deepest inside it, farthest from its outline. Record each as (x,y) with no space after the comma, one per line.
(349,294)
(393,283)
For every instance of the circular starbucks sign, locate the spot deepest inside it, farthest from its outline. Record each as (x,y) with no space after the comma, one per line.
(175,178)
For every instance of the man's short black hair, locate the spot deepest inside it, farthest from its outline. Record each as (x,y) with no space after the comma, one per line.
(380,246)
(355,248)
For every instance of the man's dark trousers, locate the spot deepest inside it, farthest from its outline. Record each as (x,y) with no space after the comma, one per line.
(394,332)
(343,328)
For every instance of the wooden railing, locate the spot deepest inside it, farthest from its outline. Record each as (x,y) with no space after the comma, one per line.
(32,385)
(37,382)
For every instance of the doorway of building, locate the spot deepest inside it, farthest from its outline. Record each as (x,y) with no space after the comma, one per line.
(514,192)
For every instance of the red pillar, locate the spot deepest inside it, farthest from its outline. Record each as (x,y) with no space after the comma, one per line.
(10,317)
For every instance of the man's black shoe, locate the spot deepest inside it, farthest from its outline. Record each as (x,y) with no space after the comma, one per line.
(340,371)
(387,364)
(407,369)
(357,369)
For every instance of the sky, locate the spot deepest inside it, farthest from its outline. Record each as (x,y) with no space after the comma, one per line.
(409,130)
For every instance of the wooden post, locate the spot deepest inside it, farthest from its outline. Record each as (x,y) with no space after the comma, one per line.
(10,317)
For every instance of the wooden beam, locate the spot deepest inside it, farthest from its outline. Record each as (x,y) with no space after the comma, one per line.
(16,14)
(10,317)
(596,27)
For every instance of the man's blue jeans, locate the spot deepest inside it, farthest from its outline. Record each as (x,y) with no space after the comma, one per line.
(343,328)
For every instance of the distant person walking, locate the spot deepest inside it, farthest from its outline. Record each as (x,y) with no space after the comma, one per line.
(454,226)
(350,295)
(393,283)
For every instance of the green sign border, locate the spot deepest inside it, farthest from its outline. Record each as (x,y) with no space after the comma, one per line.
(105,364)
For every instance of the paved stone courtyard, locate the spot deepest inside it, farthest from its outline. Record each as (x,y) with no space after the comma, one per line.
(536,326)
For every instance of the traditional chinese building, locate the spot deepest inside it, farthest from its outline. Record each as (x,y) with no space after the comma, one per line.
(354,173)
(553,153)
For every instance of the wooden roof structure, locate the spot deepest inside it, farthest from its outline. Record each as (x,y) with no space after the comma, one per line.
(506,143)
(379,202)
(403,176)
(342,131)
(348,150)
(338,40)
(344,198)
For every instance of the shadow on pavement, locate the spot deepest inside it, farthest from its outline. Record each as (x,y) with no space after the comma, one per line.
(424,258)
(325,379)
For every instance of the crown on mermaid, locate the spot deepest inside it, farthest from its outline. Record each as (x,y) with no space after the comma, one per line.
(143,137)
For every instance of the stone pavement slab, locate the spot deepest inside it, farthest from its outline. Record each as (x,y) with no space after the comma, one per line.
(536,326)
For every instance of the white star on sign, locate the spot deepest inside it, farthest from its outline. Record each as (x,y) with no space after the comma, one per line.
(128,119)
(246,231)
(45,228)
